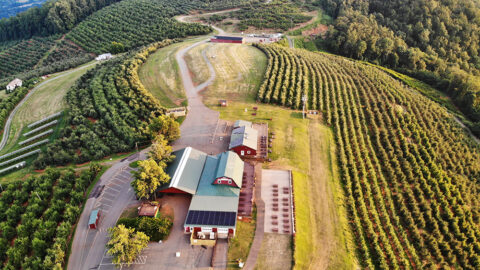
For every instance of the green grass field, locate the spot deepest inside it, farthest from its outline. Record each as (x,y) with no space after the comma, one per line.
(160,75)
(240,245)
(47,99)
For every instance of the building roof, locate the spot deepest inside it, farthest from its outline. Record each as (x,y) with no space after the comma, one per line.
(93,217)
(147,209)
(215,218)
(185,170)
(214,203)
(15,82)
(230,165)
(241,123)
(244,135)
(229,38)
(206,186)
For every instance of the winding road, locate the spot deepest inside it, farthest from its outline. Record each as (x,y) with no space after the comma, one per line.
(6,129)
(197,130)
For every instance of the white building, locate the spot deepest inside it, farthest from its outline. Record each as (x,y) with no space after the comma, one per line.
(14,84)
(104,56)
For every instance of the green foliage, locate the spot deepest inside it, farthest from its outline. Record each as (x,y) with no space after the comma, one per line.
(24,55)
(116,47)
(424,38)
(166,126)
(125,244)
(148,178)
(161,152)
(155,228)
(39,214)
(409,171)
(134,23)
(109,112)
(278,14)
(52,17)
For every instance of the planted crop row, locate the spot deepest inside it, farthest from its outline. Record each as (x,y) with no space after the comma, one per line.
(13,167)
(135,23)
(24,149)
(53,123)
(38,136)
(409,171)
(46,119)
(109,110)
(37,216)
(20,157)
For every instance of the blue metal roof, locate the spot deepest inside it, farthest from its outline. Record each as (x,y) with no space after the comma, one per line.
(93,217)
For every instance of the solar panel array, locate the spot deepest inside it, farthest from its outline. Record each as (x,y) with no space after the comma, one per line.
(216,218)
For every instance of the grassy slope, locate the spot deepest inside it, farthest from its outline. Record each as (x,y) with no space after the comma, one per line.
(160,75)
(47,100)
(197,65)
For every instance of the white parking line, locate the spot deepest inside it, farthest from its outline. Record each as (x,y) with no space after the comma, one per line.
(106,200)
(117,190)
(114,184)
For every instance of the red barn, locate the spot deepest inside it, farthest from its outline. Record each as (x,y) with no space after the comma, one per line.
(226,39)
(243,141)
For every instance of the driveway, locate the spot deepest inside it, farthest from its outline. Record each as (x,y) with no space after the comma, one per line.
(161,256)
(88,245)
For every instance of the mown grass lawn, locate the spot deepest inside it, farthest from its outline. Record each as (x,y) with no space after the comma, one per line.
(240,245)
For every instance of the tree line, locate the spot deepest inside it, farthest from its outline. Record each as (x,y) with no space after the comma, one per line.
(434,41)
(53,17)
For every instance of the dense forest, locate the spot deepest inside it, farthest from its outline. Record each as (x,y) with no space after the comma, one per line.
(109,110)
(409,170)
(435,41)
(53,17)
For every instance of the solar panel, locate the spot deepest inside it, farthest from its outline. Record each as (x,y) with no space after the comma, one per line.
(216,218)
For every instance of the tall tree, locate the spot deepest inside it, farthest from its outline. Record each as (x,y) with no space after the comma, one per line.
(165,125)
(148,178)
(161,152)
(125,244)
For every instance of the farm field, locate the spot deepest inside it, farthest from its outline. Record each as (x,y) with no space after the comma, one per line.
(294,148)
(411,205)
(48,98)
(133,24)
(161,77)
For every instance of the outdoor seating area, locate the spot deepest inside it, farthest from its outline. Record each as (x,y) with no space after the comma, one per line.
(245,203)
(276,193)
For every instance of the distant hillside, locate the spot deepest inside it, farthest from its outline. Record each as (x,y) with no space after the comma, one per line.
(9,8)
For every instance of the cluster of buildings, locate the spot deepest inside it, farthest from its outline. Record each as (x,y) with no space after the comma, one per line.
(214,182)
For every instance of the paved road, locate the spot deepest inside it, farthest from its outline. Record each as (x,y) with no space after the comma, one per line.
(290,42)
(88,246)
(6,130)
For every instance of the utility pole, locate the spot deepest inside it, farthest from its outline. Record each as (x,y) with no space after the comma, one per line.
(304,99)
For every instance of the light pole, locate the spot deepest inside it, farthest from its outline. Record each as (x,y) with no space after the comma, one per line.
(304,99)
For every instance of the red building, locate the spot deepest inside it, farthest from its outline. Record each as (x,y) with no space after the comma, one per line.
(226,39)
(244,140)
